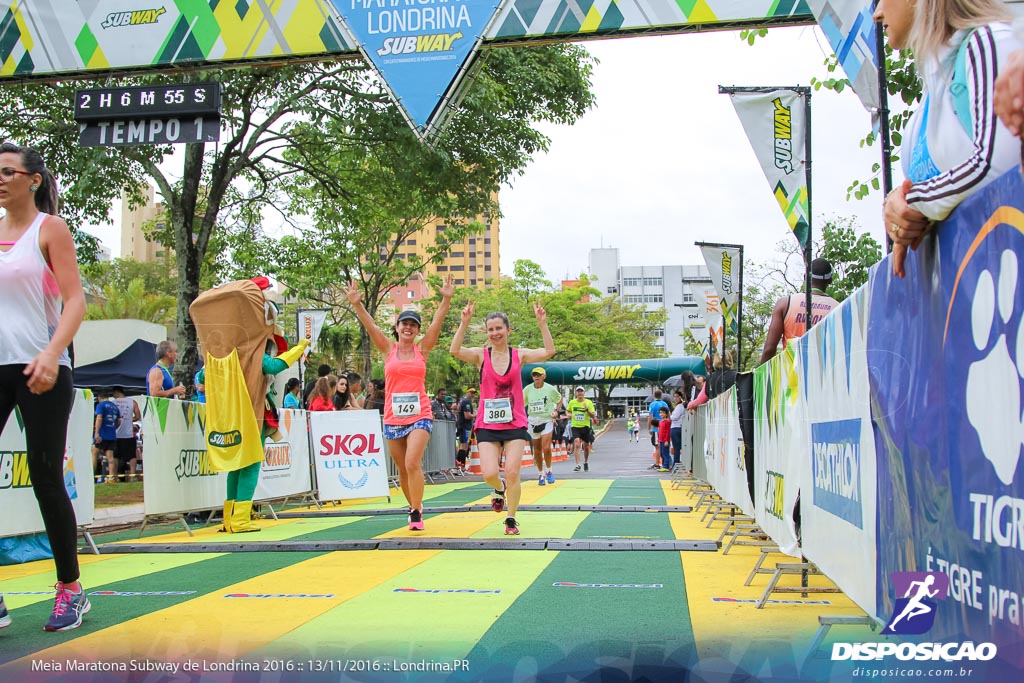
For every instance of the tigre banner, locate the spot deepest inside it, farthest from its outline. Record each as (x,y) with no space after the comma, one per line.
(348,449)
(16,485)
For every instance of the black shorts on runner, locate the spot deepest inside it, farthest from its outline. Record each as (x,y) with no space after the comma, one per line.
(461,457)
(502,435)
(584,433)
(125,450)
(107,446)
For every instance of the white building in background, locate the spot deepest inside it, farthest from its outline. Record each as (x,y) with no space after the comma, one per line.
(682,291)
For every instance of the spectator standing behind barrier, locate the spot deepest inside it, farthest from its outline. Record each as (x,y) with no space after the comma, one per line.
(375,399)
(307,391)
(653,418)
(408,418)
(159,381)
(342,397)
(665,439)
(501,417)
(676,425)
(952,144)
(722,377)
(108,419)
(291,394)
(465,418)
(320,399)
(789,315)
(129,411)
(39,271)
(440,408)
(357,396)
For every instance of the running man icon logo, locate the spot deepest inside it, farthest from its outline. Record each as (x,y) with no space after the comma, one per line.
(914,613)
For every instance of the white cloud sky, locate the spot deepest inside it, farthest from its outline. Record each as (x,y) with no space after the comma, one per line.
(662,160)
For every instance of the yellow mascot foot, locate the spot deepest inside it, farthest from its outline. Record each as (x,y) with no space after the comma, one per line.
(229,506)
(240,518)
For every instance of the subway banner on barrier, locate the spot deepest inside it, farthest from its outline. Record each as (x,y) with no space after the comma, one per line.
(725,264)
(775,125)
(16,486)
(422,50)
(348,449)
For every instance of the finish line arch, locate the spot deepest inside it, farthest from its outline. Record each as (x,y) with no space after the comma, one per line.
(637,371)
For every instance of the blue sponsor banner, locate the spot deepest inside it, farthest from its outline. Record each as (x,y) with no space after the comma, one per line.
(418,47)
(946,359)
(835,465)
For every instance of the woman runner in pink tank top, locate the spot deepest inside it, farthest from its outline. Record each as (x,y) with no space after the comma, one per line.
(501,418)
(407,415)
(38,269)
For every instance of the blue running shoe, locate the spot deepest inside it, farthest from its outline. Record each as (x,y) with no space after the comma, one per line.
(5,617)
(68,609)
(551,477)
(541,481)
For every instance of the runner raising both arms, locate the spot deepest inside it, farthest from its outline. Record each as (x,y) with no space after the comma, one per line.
(501,419)
(407,415)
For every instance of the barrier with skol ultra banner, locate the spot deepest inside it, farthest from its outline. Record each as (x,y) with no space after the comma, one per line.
(945,349)
(21,512)
(724,463)
(178,474)
(348,451)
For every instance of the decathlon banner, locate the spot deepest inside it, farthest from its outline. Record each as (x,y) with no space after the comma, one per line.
(16,486)
(285,468)
(781,436)
(945,352)
(348,449)
(723,451)
(178,473)
(422,49)
(725,264)
(775,124)
(311,324)
(839,489)
(850,30)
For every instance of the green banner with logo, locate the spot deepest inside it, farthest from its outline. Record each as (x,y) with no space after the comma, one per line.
(647,370)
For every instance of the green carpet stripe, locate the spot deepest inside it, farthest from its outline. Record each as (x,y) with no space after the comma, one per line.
(205,576)
(635,492)
(557,633)
(375,624)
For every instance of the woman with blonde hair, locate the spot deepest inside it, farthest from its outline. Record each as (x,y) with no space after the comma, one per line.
(952,145)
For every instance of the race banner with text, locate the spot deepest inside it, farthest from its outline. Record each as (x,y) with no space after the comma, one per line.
(723,451)
(16,485)
(839,502)
(285,469)
(775,125)
(725,264)
(945,350)
(348,450)
(780,435)
(311,324)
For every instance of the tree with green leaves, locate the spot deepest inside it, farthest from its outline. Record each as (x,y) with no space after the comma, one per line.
(135,302)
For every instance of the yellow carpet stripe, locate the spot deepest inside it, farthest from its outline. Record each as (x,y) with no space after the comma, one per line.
(373,624)
(17,571)
(219,628)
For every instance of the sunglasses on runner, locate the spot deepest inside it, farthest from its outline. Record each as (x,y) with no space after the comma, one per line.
(7,172)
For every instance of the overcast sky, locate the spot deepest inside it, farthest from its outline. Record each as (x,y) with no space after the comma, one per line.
(662,160)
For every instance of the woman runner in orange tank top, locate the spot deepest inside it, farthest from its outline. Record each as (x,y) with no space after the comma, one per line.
(407,415)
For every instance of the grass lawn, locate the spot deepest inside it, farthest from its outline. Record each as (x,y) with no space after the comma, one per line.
(120,493)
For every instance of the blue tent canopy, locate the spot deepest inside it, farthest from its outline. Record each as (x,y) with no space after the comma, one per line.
(127,369)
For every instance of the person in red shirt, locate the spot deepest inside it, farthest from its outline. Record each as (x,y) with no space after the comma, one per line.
(665,440)
(320,398)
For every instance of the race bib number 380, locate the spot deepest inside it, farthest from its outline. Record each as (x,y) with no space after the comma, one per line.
(497,411)
(405,405)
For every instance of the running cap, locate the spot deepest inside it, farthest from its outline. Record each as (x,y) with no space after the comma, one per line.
(580,389)
(473,389)
(538,372)
(821,269)
(410,315)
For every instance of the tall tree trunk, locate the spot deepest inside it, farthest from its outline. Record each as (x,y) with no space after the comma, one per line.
(190,257)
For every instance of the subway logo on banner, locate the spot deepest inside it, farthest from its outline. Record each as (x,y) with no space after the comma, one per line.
(404,45)
(593,372)
(783,119)
(835,464)
(14,470)
(775,495)
(137,17)
(193,463)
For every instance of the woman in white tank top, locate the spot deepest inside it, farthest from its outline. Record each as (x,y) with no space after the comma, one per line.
(38,268)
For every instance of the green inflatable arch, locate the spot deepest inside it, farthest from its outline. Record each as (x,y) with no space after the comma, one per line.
(652,370)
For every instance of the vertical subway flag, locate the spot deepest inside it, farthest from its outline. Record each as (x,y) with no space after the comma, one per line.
(725,263)
(775,125)
(422,49)
(850,30)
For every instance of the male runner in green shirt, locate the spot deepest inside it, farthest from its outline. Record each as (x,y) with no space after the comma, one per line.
(581,412)
(542,403)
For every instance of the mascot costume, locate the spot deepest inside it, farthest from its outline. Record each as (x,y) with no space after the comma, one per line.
(237,327)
